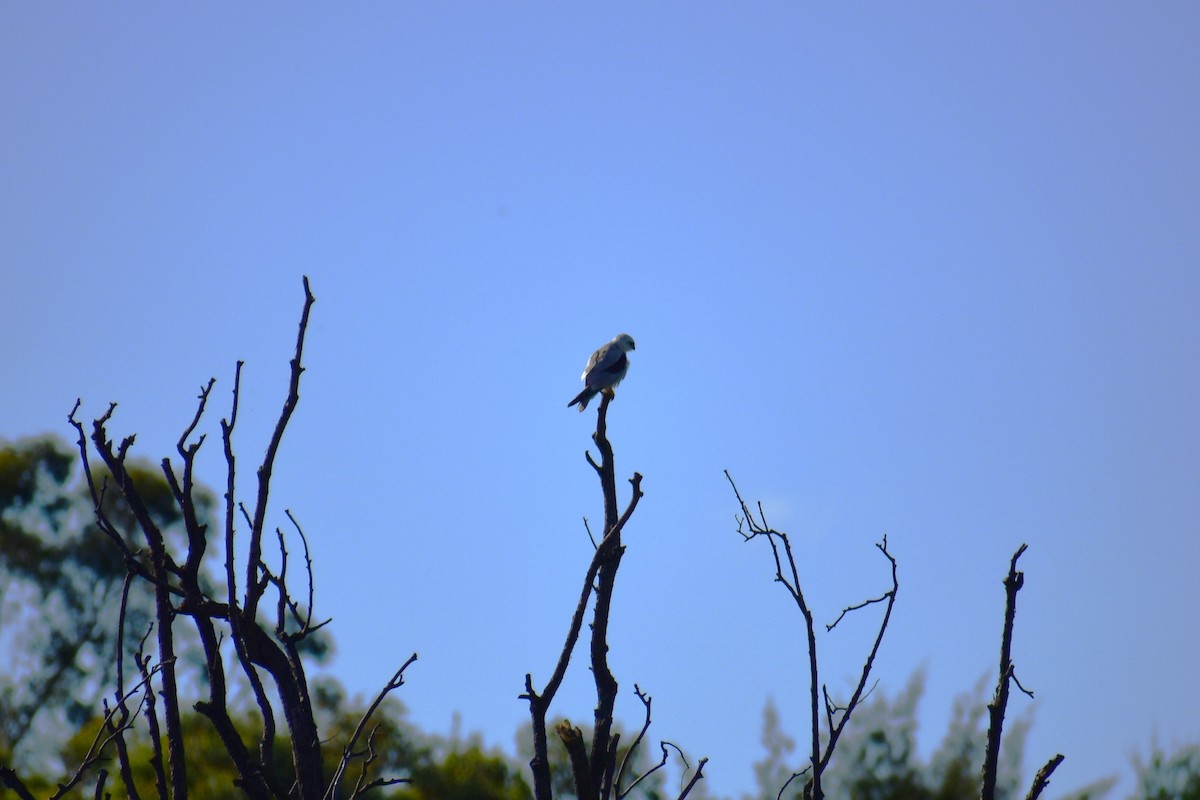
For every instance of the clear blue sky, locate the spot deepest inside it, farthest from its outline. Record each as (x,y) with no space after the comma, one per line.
(930,271)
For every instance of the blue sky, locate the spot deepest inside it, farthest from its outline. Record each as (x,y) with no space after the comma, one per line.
(929,271)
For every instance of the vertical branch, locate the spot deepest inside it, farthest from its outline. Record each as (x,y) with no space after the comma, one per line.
(791,582)
(1012,584)
(254,645)
(606,684)
(593,775)
(266,743)
(121,707)
(184,497)
(253,585)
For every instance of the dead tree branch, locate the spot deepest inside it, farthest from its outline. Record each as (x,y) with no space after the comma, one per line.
(646,700)
(1013,583)
(263,652)
(787,573)
(595,774)
(696,776)
(1042,779)
(348,752)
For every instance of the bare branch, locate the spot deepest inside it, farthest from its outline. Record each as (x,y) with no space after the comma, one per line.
(855,699)
(996,709)
(629,754)
(268,464)
(266,743)
(362,785)
(539,704)
(596,775)
(101,779)
(662,762)
(752,526)
(307,621)
(231,491)
(777,540)
(581,768)
(101,741)
(1042,779)
(788,782)
(161,568)
(882,598)
(10,779)
(1018,683)
(348,753)
(695,778)
(124,715)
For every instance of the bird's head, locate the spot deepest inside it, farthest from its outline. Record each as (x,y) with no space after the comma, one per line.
(625,342)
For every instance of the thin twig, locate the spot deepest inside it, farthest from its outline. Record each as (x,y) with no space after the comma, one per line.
(630,753)
(395,682)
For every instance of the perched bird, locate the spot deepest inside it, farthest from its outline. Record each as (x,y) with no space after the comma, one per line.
(605,369)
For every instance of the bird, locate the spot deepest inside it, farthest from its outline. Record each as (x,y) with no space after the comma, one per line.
(605,369)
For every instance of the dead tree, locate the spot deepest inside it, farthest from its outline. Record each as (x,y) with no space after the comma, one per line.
(595,771)
(836,716)
(258,612)
(1013,583)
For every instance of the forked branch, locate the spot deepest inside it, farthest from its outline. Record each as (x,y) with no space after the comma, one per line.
(752,526)
(596,775)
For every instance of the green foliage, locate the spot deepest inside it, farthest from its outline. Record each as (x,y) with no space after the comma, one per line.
(468,773)
(1169,777)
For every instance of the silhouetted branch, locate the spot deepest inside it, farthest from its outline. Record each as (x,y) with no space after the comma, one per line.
(662,762)
(268,463)
(539,703)
(124,718)
(178,591)
(696,776)
(792,777)
(996,709)
(581,768)
(362,785)
(11,780)
(111,726)
(101,779)
(750,527)
(835,731)
(1042,779)
(1019,686)
(629,754)
(348,752)
(595,776)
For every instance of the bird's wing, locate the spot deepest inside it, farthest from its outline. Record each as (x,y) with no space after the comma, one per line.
(608,365)
(599,359)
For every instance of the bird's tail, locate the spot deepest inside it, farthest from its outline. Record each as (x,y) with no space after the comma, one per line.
(582,399)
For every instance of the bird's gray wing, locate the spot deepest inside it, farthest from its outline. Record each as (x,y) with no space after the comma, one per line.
(608,366)
(602,358)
